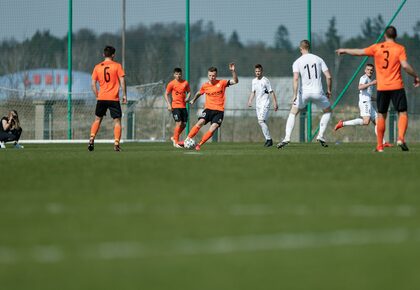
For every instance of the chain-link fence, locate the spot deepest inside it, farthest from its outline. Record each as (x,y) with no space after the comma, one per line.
(34,50)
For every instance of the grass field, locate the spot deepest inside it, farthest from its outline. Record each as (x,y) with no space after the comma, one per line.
(233,216)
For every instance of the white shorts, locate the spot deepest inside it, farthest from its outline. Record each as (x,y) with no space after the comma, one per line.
(262,112)
(367,110)
(320,100)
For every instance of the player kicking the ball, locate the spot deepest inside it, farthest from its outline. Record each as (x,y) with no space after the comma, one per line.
(309,69)
(214,105)
(261,88)
(367,112)
(180,90)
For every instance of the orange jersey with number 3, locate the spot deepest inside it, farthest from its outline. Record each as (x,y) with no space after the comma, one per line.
(388,56)
(215,94)
(107,73)
(179,90)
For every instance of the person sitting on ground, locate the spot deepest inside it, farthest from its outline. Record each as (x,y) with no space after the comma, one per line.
(10,130)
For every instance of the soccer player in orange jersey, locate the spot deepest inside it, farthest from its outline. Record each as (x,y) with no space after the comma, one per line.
(214,105)
(110,76)
(180,90)
(389,58)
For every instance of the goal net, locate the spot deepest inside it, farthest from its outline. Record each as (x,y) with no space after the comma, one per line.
(42,102)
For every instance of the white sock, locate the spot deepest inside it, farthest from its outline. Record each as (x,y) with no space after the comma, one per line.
(355,122)
(290,124)
(323,124)
(264,129)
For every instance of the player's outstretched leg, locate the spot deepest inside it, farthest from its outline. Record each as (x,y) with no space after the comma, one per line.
(93,131)
(354,122)
(207,135)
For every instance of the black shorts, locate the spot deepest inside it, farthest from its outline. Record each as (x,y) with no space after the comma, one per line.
(398,97)
(212,116)
(113,106)
(180,114)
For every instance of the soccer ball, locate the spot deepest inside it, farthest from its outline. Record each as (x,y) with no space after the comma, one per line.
(189,143)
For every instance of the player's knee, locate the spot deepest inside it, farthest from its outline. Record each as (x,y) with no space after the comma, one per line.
(261,121)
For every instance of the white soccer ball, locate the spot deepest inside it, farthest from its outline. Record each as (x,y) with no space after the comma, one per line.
(189,143)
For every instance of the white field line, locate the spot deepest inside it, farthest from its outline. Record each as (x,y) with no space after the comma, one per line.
(220,245)
(363,211)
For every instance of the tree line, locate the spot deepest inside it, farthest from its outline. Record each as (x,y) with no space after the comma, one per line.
(153,51)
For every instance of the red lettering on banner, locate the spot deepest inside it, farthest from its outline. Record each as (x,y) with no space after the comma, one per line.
(48,79)
(57,79)
(66,79)
(37,79)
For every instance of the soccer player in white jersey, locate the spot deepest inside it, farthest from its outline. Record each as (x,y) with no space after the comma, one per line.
(367,111)
(309,68)
(261,89)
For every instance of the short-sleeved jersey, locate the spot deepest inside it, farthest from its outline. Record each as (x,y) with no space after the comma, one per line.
(388,56)
(107,73)
(1,124)
(179,90)
(366,94)
(310,67)
(215,94)
(262,88)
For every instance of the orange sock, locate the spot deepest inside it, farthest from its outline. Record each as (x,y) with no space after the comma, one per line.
(117,133)
(402,126)
(206,137)
(94,129)
(193,131)
(177,132)
(380,128)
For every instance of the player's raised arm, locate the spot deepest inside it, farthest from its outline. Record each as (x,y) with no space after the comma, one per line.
(410,70)
(351,51)
(328,78)
(235,79)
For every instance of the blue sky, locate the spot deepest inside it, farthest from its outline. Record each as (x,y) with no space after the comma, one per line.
(255,20)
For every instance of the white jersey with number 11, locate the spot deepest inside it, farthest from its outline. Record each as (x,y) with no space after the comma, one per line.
(310,67)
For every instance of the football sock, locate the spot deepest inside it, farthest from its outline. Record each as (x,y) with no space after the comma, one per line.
(323,123)
(376,133)
(206,137)
(177,132)
(289,126)
(264,129)
(117,133)
(355,122)
(193,131)
(402,126)
(380,129)
(94,129)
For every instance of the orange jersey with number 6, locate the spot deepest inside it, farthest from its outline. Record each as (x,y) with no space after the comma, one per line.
(388,56)
(107,73)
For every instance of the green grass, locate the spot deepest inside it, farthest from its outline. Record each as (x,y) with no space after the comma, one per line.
(233,216)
